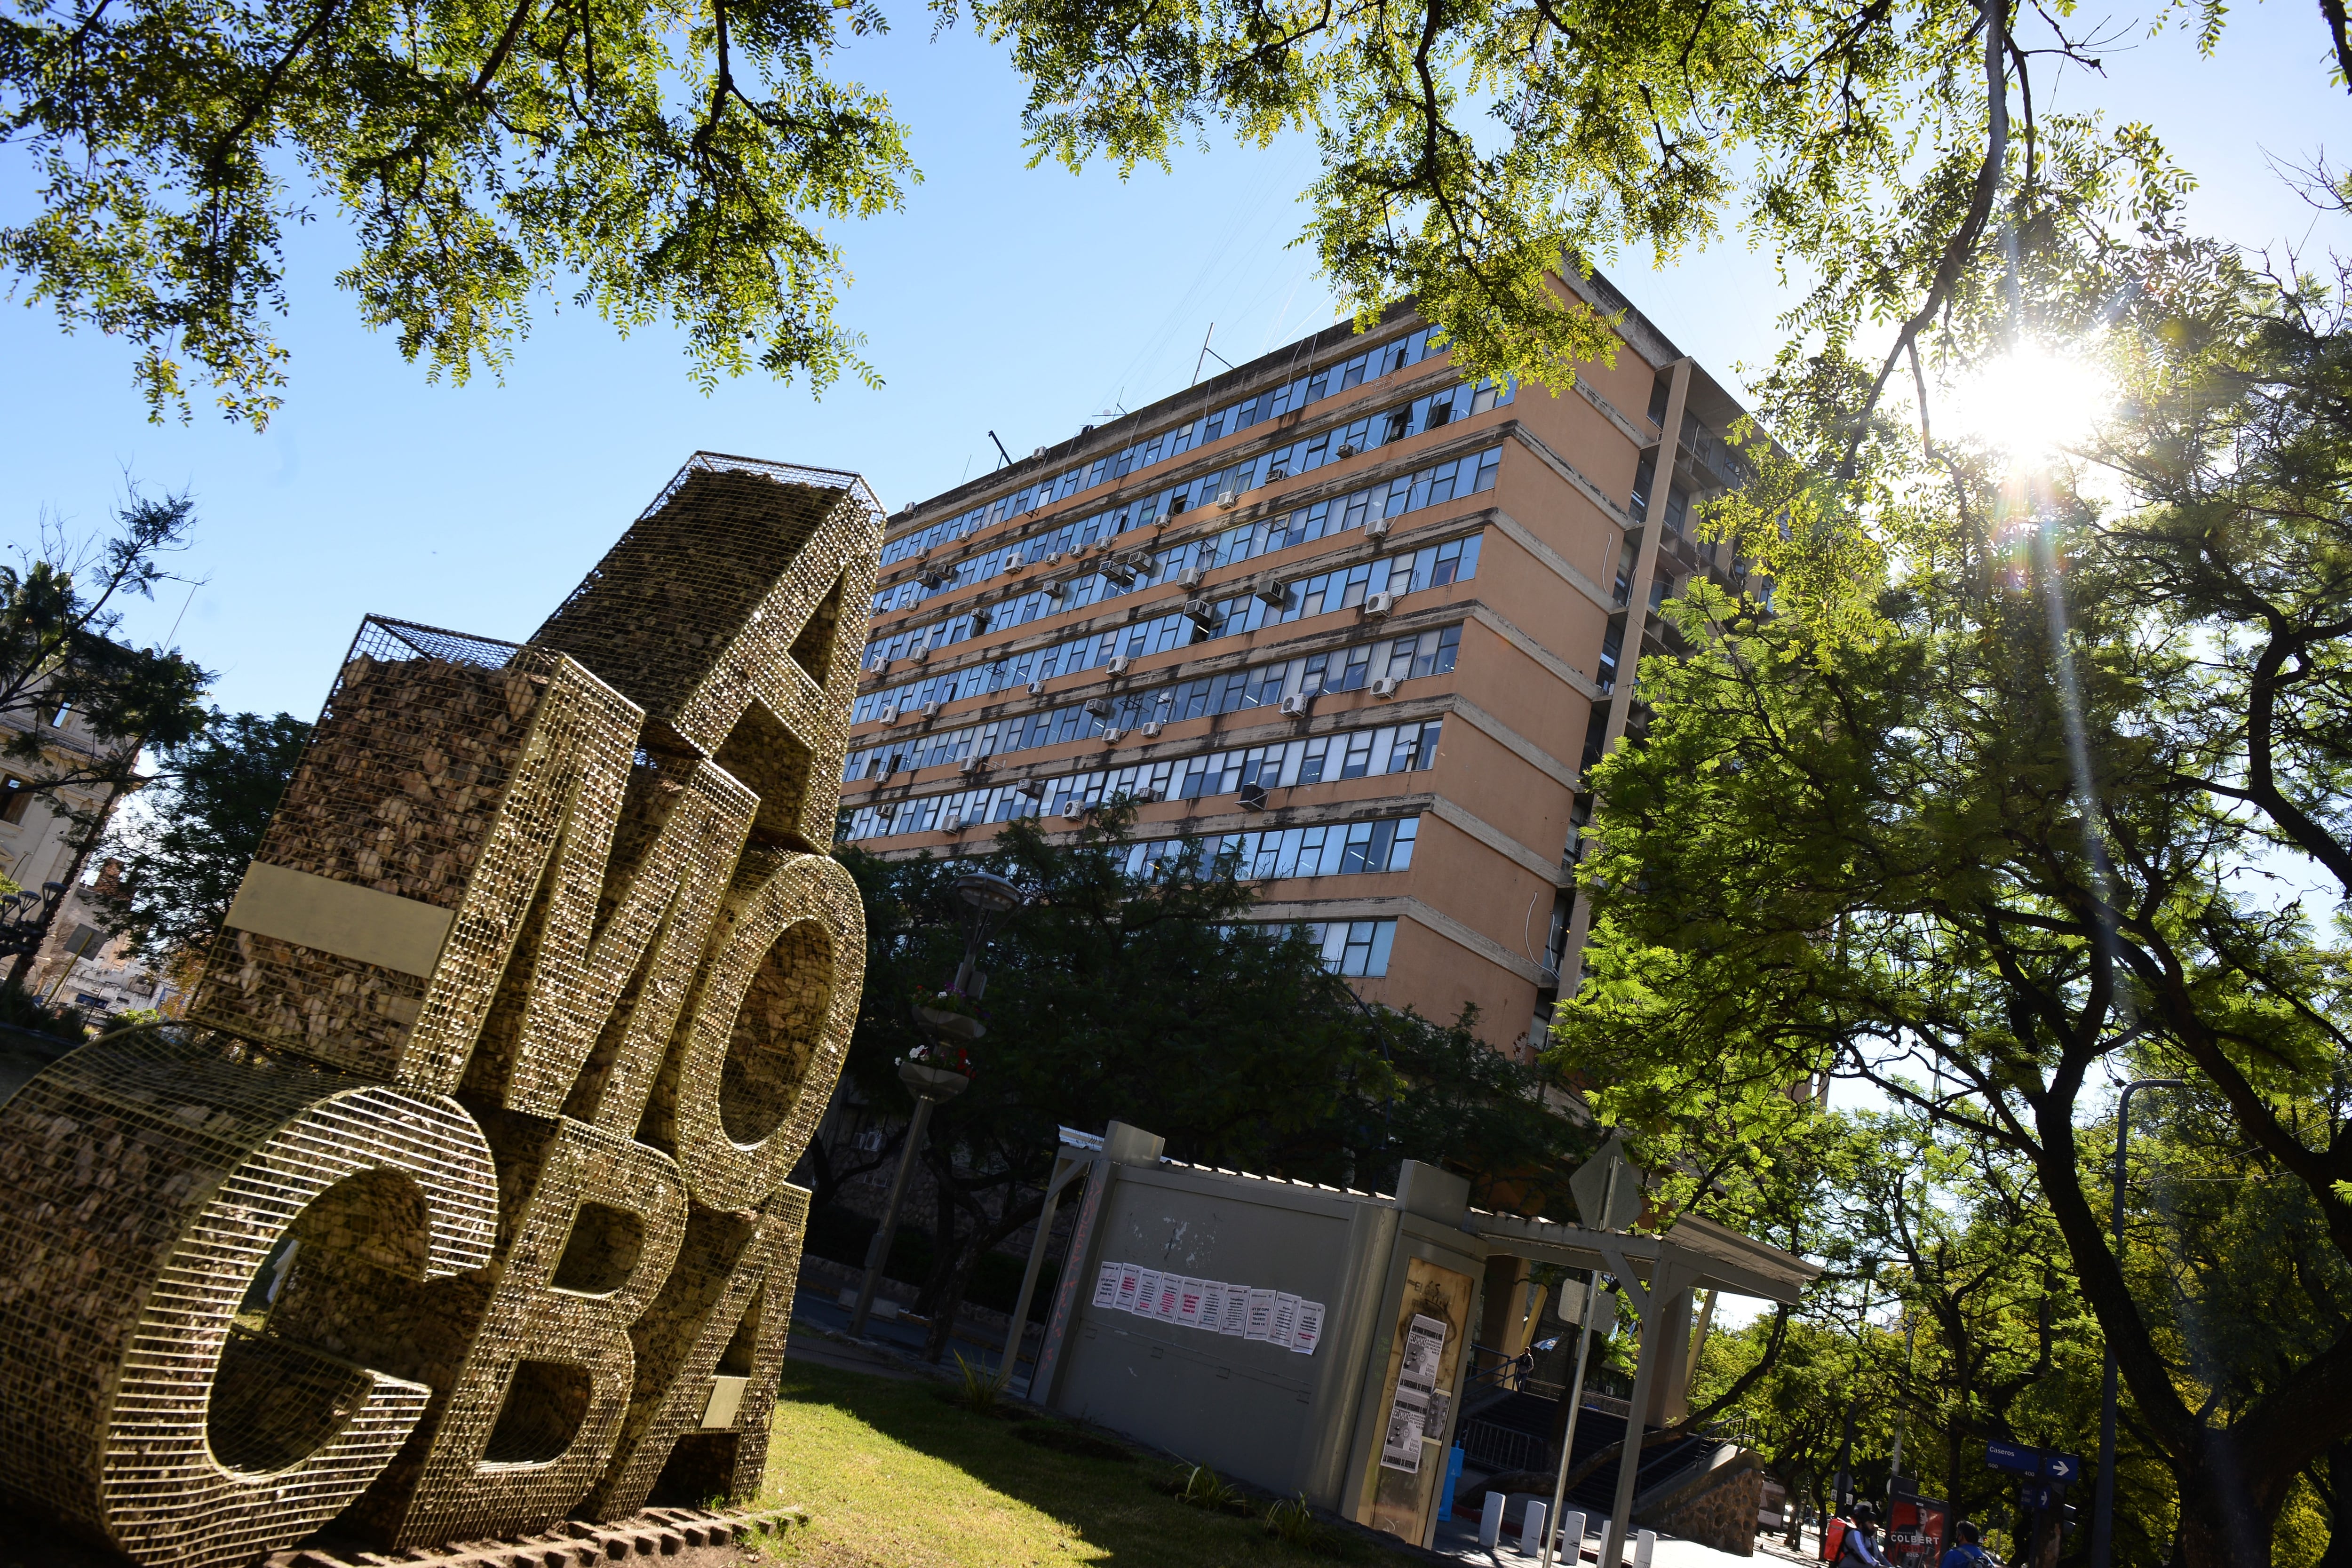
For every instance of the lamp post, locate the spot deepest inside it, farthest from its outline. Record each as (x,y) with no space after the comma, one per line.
(1842,1492)
(983,899)
(2102,1506)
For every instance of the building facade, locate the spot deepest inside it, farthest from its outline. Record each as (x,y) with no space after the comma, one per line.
(1341,613)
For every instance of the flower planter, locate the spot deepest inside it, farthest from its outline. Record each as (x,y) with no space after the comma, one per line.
(935,1083)
(956,1026)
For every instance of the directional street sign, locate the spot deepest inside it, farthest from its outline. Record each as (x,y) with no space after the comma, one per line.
(2060,1470)
(2037,1495)
(2015,1457)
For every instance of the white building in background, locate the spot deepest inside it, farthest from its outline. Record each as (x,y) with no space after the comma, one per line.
(78,965)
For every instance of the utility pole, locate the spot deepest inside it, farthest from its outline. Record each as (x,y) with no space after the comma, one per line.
(2103,1502)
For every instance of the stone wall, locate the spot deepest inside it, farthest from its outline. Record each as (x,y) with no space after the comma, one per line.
(1717,1508)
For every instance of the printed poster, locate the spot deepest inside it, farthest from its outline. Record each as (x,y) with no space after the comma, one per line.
(1107,1286)
(1286,1318)
(1235,1317)
(1188,1302)
(1261,1316)
(1417,1374)
(1146,1294)
(1213,1307)
(1130,1282)
(1310,1332)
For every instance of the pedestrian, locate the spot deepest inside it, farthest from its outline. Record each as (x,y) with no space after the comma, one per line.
(1967,1551)
(1860,1547)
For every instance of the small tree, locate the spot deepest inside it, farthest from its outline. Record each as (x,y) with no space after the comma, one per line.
(59,608)
(185,847)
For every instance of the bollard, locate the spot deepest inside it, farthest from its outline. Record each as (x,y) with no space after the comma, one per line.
(1645,1543)
(1531,1527)
(1571,1536)
(1490,1521)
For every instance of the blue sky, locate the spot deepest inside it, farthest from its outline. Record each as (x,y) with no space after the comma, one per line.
(1023,301)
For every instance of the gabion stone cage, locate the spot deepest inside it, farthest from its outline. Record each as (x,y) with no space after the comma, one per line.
(456,1206)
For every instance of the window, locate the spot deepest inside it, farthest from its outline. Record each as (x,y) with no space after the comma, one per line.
(16,794)
(1358,949)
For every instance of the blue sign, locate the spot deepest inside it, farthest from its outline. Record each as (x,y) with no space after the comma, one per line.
(2015,1457)
(2060,1470)
(2037,1495)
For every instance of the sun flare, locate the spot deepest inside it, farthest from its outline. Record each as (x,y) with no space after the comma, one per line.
(2031,403)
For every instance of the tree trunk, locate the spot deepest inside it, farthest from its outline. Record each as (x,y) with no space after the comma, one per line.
(2338,1494)
(2225,1520)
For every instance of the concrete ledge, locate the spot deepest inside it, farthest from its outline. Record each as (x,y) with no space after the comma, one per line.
(680,1537)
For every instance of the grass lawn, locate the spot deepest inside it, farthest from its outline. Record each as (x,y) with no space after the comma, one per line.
(893,1476)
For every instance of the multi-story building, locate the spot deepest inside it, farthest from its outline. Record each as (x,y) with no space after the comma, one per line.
(1341,611)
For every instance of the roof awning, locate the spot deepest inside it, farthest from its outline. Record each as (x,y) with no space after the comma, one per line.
(1709,1256)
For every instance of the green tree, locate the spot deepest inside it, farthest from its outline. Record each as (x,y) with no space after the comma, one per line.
(658,161)
(186,843)
(60,606)
(676,161)
(1994,810)
(1145,994)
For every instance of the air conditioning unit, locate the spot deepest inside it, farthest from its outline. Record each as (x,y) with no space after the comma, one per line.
(1275,593)
(1386,686)
(931,578)
(1376,527)
(1074,811)
(1376,604)
(1120,664)
(888,714)
(1190,577)
(920,654)
(1014,560)
(1055,590)
(972,766)
(931,709)
(950,822)
(1299,706)
(1146,795)
(1118,572)
(1151,727)
(1034,788)
(1253,796)
(1099,706)
(1037,688)
(1228,497)
(1277,472)
(1111,737)
(1201,612)
(878,663)
(1053,558)
(1347,451)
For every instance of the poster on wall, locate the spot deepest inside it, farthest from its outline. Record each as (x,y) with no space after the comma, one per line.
(1424,1349)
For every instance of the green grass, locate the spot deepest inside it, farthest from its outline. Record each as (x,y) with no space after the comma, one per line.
(895,1476)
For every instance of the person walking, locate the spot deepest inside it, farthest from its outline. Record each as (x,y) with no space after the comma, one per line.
(1967,1550)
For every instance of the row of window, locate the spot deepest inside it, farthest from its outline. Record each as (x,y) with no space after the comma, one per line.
(1371,364)
(1429,412)
(1333,849)
(1281,764)
(1071,537)
(1432,567)
(1261,685)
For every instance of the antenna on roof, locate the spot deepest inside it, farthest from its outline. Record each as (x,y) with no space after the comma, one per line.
(1207,353)
(1000,451)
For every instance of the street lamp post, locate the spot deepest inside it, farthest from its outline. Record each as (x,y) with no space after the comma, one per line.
(984,900)
(2102,1506)
(1842,1492)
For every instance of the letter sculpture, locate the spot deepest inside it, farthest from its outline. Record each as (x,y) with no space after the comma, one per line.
(458,1203)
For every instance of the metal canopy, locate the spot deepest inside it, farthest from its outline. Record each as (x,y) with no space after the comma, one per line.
(1696,1252)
